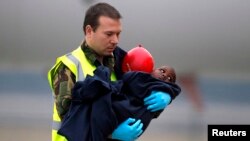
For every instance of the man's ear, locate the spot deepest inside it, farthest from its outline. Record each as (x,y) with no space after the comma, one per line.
(88,30)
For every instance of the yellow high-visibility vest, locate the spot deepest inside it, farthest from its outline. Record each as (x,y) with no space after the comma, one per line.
(77,62)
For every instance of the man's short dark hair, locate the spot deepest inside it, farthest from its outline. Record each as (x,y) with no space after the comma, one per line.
(95,11)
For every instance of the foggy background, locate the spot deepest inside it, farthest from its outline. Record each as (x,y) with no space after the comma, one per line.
(207,41)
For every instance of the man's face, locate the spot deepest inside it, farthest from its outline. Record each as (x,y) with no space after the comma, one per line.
(106,36)
(165,73)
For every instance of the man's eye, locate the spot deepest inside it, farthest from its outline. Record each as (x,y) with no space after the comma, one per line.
(109,34)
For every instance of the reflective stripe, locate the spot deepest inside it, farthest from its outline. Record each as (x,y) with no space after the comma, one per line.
(87,67)
(71,65)
(56,125)
(79,67)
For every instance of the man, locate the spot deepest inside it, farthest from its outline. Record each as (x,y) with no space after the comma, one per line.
(102,28)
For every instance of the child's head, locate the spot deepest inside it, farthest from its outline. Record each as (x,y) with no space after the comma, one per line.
(165,73)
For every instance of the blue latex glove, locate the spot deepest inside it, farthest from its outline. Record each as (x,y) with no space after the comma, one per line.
(157,100)
(129,130)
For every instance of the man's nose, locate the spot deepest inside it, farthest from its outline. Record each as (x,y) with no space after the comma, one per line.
(115,39)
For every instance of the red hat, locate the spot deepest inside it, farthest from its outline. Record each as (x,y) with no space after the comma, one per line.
(138,59)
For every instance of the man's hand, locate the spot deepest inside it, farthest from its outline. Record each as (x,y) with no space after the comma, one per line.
(157,100)
(129,130)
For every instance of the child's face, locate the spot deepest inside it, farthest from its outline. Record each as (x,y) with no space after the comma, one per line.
(165,73)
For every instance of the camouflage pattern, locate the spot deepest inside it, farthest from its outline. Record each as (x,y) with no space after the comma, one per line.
(64,80)
(63,83)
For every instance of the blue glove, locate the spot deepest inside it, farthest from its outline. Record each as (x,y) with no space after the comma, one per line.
(157,100)
(129,130)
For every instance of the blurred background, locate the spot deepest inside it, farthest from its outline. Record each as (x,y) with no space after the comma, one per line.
(206,41)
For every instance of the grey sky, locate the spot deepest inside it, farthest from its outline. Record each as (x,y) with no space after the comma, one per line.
(191,35)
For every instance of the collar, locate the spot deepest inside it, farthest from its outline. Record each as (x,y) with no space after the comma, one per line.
(91,55)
